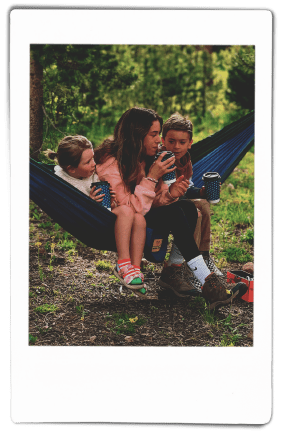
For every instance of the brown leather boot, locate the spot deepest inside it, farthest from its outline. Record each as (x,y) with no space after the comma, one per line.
(216,294)
(172,278)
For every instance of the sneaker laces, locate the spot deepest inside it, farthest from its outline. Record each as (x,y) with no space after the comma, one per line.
(177,272)
(214,281)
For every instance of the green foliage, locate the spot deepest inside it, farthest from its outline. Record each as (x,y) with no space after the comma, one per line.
(235,213)
(123,323)
(229,340)
(103,265)
(248,236)
(209,316)
(36,215)
(45,308)
(67,245)
(236,254)
(80,311)
(45,225)
(78,82)
(32,339)
(87,87)
(197,302)
(113,279)
(241,80)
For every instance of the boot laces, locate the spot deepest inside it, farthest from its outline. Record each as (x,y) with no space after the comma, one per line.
(177,273)
(213,279)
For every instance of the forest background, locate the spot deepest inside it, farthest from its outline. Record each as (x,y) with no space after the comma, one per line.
(84,89)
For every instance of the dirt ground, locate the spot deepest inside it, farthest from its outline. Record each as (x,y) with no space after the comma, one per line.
(75,303)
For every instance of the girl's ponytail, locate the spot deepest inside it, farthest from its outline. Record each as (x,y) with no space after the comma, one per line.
(50,154)
(70,150)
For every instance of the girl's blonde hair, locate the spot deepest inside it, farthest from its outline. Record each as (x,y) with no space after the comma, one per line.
(69,151)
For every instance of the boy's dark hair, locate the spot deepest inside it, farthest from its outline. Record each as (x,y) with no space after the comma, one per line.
(70,150)
(178,122)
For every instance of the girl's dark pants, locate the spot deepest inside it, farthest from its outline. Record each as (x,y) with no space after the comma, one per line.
(179,219)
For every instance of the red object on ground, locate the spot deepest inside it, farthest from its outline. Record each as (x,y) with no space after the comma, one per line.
(247,278)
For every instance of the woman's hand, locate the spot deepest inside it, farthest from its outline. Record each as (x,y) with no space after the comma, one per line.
(179,188)
(113,194)
(113,198)
(94,194)
(159,168)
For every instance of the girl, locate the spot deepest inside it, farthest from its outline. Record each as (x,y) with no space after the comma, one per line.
(127,163)
(77,166)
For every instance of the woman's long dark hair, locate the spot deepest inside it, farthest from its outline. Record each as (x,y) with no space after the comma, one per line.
(127,144)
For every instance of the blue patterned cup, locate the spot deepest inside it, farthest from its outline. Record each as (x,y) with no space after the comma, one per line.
(168,178)
(105,186)
(212,185)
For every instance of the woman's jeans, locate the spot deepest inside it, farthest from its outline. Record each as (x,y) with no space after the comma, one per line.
(179,219)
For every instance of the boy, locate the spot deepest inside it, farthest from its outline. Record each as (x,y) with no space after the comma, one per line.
(177,137)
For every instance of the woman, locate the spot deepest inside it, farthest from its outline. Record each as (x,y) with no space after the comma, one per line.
(128,163)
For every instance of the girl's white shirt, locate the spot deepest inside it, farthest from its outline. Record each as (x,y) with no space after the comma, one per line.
(82,184)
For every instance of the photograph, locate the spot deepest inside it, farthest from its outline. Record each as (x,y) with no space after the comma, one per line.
(141,195)
(142,159)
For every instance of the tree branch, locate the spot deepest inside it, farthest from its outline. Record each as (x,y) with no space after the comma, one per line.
(53,125)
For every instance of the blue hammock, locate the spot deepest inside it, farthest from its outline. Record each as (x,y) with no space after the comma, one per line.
(227,148)
(93,225)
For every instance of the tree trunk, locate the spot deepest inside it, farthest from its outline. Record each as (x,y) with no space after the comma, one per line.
(36,111)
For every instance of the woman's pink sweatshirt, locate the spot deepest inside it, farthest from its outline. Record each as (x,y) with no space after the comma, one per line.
(146,194)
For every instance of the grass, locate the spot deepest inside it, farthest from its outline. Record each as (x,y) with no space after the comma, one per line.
(229,340)
(103,265)
(123,323)
(32,339)
(234,215)
(45,308)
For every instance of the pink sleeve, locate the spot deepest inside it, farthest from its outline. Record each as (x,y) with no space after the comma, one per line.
(144,194)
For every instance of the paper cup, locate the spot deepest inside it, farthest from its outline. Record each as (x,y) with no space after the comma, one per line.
(105,186)
(212,185)
(168,178)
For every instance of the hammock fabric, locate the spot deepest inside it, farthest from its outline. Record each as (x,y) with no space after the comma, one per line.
(93,224)
(222,151)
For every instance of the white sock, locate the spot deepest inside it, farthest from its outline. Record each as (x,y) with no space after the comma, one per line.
(175,257)
(199,268)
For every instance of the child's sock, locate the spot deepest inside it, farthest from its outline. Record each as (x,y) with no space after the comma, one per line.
(123,262)
(125,268)
(199,268)
(138,271)
(128,272)
(175,257)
